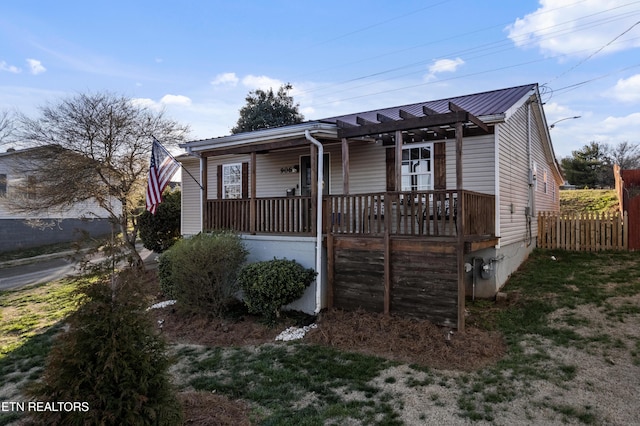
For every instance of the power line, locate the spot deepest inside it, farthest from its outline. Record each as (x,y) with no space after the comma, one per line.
(487,47)
(595,53)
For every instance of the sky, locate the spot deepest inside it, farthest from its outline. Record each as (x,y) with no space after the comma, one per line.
(198,60)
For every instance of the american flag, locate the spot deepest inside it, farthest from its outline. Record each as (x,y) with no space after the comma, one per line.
(159,176)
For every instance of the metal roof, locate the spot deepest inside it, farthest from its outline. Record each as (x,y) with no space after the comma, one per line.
(494,102)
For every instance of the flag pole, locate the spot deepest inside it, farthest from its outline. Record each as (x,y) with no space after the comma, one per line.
(174,159)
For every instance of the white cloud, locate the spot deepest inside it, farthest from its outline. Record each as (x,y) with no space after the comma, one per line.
(36,66)
(576,28)
(627,90)
(261,82)
(175,100)
(145,103)
(9,68)
(443,65)
(227,78)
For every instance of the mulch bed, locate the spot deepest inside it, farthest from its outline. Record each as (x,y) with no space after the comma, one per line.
(408,340)
(405,340)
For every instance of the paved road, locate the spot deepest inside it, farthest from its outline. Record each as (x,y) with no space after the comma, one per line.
(48,269)
(35,273)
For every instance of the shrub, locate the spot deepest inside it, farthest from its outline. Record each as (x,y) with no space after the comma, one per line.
(200,272)
(165,265)
(160,231)
(268,286)
(112,359)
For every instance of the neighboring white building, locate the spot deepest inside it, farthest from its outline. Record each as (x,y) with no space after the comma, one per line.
(23,230)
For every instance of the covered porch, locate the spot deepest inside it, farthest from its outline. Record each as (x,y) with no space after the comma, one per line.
(392,251)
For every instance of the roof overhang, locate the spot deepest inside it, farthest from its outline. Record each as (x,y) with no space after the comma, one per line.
(262,140)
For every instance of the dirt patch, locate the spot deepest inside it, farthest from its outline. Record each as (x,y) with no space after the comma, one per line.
(205,409)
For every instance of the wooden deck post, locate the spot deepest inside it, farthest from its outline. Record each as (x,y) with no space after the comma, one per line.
(252,203)
(387,255)
(461,227)
(345,167)
(398,146)
(205,195)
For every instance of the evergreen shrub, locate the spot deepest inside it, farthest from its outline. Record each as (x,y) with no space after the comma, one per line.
(111,362)
(200,272)
(269,285)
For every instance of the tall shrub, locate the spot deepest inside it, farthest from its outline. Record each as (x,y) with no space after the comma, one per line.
(201,271)
(111,362)
(160,231)
(269,285)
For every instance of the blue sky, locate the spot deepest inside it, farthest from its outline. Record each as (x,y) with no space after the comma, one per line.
(199,59)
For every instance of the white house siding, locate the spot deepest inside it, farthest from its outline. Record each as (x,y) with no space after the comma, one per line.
(514,178)
(478,164)
(549,199)
(190,221)
(367,168)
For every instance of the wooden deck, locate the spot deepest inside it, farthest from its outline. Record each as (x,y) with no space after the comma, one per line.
(386,252)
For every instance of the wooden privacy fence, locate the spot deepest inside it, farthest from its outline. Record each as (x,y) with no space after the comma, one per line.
(583,231)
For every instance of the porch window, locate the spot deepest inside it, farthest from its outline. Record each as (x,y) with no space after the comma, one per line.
(417,169)
(232,180)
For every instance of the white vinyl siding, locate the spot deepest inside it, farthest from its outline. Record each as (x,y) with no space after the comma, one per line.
(190,221)
(478,164)
(367,171)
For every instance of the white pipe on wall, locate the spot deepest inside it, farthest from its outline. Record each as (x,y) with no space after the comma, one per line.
(318,219)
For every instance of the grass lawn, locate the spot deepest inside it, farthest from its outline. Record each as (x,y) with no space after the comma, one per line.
(580,306)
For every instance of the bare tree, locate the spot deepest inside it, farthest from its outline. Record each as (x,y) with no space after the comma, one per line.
(93,148)
(6,127)
(626,155)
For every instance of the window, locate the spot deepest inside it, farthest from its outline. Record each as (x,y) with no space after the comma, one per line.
(417,170)
(31,187)
(232,180)
(545,187)
(3,185)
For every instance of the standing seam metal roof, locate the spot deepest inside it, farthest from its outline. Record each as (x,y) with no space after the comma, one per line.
(479,104)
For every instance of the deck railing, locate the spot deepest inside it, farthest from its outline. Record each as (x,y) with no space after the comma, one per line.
(423,213)
(275,215)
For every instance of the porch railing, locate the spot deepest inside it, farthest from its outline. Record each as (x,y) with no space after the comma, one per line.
(277,215)
(423,213)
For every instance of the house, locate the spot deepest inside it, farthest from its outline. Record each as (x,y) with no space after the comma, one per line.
(27,229)
(407,209)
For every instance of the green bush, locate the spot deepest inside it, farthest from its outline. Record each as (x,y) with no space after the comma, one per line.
(111,362)
(268,286)
(165,266)
(200,272)
(160,231)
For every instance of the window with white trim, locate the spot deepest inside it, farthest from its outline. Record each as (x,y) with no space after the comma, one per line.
(417,167)
(232,180)
(545,187)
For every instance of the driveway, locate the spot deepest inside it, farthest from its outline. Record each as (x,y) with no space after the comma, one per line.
(47,268)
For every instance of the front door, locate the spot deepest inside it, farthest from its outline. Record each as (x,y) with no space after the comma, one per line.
(305,175)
